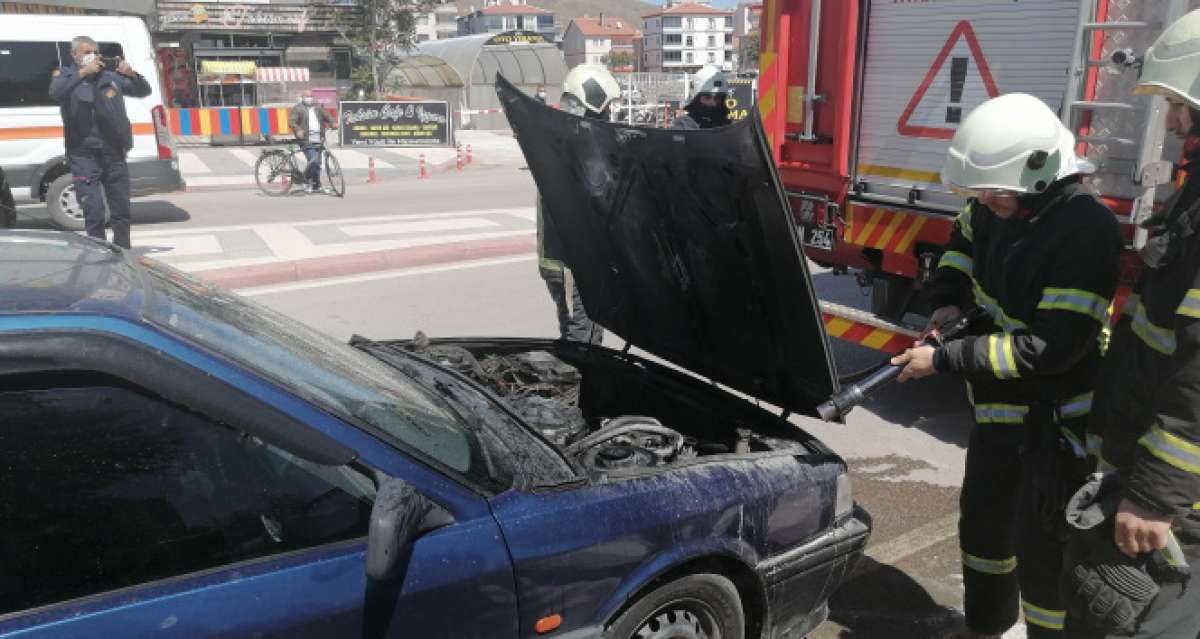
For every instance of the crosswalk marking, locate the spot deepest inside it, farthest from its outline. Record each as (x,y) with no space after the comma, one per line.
(423,226)
(187,245)
(191,164)
(357,159)
(245,156)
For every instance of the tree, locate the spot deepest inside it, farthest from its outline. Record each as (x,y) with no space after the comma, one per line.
(381,34)
(749,51)
(619,60)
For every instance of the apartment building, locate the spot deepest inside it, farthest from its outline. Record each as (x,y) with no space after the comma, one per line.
(589,40)
(685,36)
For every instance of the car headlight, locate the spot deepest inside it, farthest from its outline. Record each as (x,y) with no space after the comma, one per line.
(844,502)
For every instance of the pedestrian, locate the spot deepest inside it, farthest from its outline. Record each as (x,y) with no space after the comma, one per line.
(588,91)
(1146,419)
(707,108)
(97,134)
(540,94)
(309,120)
(1038,252)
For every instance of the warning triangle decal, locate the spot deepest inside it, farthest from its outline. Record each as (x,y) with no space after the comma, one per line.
(958,81)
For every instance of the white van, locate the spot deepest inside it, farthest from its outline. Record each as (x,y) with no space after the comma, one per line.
(32,155)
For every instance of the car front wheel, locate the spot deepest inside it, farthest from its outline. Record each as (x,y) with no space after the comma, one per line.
(702,606)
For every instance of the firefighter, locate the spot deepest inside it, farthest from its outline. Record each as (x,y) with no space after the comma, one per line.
(706,108)
(1146,419)
(1038,252)
(588,91)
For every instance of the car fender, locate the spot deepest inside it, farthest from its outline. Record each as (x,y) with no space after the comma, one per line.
(55,166)
(664,563)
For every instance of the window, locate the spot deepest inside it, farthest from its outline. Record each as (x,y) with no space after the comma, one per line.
(672,56)
(729,21)
(670,22)
(545,22)
(712,23)
(728,38)
(26,68)
(687,23)
(688,56)
(712,41)
(342,64)
(104,487)
(673,38)
(689,41)
(712,57)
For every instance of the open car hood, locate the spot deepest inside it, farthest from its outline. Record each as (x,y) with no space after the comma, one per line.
(681,242)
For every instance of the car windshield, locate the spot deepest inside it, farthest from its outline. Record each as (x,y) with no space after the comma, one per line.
(337,377)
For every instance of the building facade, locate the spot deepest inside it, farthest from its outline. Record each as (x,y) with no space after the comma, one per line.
(684,37)
(438,23)
(608,42)
(227,54)
(500,16)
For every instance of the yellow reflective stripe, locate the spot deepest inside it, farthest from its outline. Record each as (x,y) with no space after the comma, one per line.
(1000,356)
(1190,306)
(1077,446)
(957,260)
(964,224)
(1156,337)
(1094,444)
(1172,449)
(1045,618)
(1077,406)
(989,303)
(1074,299)
(1000,413)
(989,566)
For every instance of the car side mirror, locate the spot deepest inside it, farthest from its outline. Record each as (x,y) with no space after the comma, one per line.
(397,519)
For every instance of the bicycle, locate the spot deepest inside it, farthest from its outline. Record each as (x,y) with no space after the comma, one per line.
(277,171)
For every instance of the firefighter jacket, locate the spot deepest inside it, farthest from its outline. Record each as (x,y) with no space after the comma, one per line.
(93,107)
(1046,282)
(1147,414)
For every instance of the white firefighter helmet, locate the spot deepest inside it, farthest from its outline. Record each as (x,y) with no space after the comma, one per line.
(1011,143)
(709,79)
(1171,67)
(590,87)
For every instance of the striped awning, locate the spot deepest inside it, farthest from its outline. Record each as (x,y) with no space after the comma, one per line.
(281,74)
(238,67)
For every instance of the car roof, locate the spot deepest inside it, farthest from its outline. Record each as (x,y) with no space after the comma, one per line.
(60,272)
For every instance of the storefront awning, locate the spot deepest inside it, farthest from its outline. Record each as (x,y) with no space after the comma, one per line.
(239,67)
(281,74)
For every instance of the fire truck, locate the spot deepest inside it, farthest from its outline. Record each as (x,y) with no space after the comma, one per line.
(860,98)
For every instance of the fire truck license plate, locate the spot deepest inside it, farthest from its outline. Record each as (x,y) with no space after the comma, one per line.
(820,237)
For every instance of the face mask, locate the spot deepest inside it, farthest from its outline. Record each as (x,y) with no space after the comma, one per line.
(542,94)
(308,101)
(88,59)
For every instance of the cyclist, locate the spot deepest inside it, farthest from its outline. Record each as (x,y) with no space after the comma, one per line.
(309,120)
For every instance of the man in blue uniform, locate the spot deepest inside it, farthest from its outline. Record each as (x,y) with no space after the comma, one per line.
(91,94)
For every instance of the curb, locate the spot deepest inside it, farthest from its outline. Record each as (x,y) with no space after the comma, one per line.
(446,166)
(359,263)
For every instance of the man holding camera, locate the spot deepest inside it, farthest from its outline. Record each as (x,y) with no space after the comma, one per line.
(91,96)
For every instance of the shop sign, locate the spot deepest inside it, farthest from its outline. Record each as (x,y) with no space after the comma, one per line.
(177,16)
(425,123)
(517,37)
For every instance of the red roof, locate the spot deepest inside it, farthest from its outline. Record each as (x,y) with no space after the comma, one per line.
(591,27)
(689,9)
(514,10)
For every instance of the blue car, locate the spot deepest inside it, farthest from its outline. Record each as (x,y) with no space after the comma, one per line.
(181,462)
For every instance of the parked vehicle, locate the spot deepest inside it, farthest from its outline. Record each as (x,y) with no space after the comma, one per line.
(185,463)
(8,208)
(31,138)
(860,100)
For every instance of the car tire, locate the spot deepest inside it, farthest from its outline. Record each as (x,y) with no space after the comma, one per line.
(701,606)
(8,207)
(65,212)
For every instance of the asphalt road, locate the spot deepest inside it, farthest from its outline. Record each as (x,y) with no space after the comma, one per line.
(905,447)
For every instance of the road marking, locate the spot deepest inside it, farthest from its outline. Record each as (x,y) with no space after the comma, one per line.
(359,279)
(911,542)
(219,180)
(285,241)
(358,160)
(342,221)
(245,156)
(189,245)
(419,226)
(191,164)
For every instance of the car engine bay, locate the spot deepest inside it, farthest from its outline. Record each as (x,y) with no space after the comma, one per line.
(546,393)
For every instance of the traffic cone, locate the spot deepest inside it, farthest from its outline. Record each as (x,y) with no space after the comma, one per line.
(458,158)
(469,154)
(371,179)
(423,173)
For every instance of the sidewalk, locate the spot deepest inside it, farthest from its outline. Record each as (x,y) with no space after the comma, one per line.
(265,254)
(207,167)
